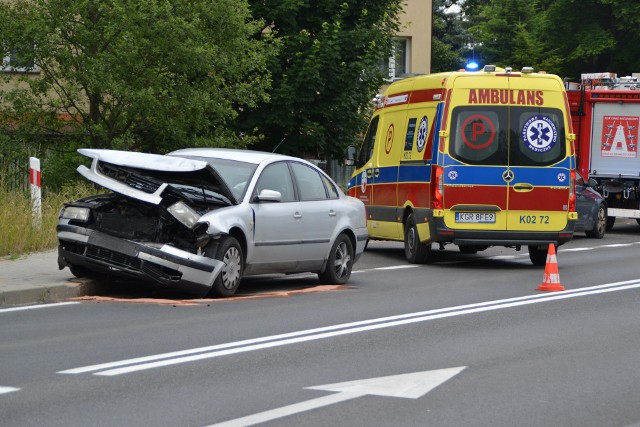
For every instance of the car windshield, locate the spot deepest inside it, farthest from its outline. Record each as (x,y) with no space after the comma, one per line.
(235,174)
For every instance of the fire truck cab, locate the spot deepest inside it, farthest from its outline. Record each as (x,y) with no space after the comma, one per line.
(475,159)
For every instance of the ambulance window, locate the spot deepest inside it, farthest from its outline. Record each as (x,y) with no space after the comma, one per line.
(537,136)
(478,135)
(366,151)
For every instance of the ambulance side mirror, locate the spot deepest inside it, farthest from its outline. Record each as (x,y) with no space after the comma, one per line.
(350,155)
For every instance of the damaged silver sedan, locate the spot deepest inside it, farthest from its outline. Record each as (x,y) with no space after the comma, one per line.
(203,218)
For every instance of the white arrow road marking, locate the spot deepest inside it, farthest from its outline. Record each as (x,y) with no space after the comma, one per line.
(4,390)
(218,350)
(408,386)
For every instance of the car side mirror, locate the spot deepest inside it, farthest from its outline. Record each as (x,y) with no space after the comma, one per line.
(269,196)
(350,155)
(593,183)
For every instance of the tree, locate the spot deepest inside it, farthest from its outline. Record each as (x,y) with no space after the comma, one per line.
(447,38)
(500,31)
(325,75)
(597,35)
(151,75)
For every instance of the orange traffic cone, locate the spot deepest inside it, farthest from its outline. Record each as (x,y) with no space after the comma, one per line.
(551,280)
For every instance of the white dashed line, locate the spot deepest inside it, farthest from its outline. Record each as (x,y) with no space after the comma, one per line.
(5,390)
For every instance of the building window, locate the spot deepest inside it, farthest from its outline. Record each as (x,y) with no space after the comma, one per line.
(397,65)
(19,59)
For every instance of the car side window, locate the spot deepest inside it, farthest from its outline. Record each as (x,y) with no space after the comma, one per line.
(309,182)
(331,188)
(278,178)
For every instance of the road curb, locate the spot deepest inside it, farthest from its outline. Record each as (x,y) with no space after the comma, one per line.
(42,295)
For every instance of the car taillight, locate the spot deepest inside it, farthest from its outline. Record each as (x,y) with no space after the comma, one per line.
(572,191)
(438,189)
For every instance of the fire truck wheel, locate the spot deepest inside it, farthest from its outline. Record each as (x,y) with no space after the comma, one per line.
(538,254)
(610,221)
(415,251)
(600,224)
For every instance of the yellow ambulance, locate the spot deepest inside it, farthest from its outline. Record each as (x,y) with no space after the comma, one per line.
(475,159)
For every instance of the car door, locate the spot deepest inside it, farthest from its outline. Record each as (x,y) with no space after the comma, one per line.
(320,211)
(277,225)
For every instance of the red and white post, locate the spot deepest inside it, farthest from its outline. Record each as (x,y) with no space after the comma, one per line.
(36,190)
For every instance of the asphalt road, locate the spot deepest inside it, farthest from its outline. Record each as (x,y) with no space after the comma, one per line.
(467,340)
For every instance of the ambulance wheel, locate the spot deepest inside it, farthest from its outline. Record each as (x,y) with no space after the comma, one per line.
(600,225)
(538,254)
(610,221)
(415,251)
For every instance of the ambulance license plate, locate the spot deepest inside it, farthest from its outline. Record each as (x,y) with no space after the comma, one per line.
(476,217)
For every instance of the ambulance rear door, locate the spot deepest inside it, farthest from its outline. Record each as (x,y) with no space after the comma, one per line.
(507,166)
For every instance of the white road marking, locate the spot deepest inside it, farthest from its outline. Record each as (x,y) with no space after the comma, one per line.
(407,386)
(34,307)
(397,267)
(208,352)
(577,249)
(4,390)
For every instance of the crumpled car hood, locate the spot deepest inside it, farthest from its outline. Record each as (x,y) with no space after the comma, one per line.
(145,164)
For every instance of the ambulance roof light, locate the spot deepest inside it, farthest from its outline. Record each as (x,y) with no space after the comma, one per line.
(508,70)
(527,70)
(489,68)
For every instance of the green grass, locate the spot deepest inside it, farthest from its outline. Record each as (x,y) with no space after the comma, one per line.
(19,234)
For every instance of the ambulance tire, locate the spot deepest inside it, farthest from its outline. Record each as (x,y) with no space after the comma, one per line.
(538,255)
(415,251)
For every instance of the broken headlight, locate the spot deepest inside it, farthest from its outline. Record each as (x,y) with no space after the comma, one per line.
(184,214)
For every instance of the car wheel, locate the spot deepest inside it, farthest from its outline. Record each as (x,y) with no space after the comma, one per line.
(229,252)
(340,262)
(538,255)
(610,221)
(600,225)
(415,251)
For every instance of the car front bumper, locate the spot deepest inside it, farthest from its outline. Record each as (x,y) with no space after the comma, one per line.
(162,264)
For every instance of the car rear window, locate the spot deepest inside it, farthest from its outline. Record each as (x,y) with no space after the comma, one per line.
(513,135)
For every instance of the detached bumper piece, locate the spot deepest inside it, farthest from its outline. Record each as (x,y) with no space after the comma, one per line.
(162,264)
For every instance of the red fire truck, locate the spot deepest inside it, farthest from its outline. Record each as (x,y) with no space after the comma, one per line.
(605,111)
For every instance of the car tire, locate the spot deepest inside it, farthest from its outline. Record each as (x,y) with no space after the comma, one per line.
(415,251)
(610,221)
(537,255)
(340,262)
(230,253)
(600,224)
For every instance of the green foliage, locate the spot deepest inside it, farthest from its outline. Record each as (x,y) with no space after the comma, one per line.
(325,75)
(150,75)
(565,37)
(20,233)
(448,39)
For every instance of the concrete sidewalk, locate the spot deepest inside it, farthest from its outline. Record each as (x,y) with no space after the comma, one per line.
(35,278)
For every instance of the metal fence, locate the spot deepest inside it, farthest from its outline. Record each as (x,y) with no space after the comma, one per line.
(14,173)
